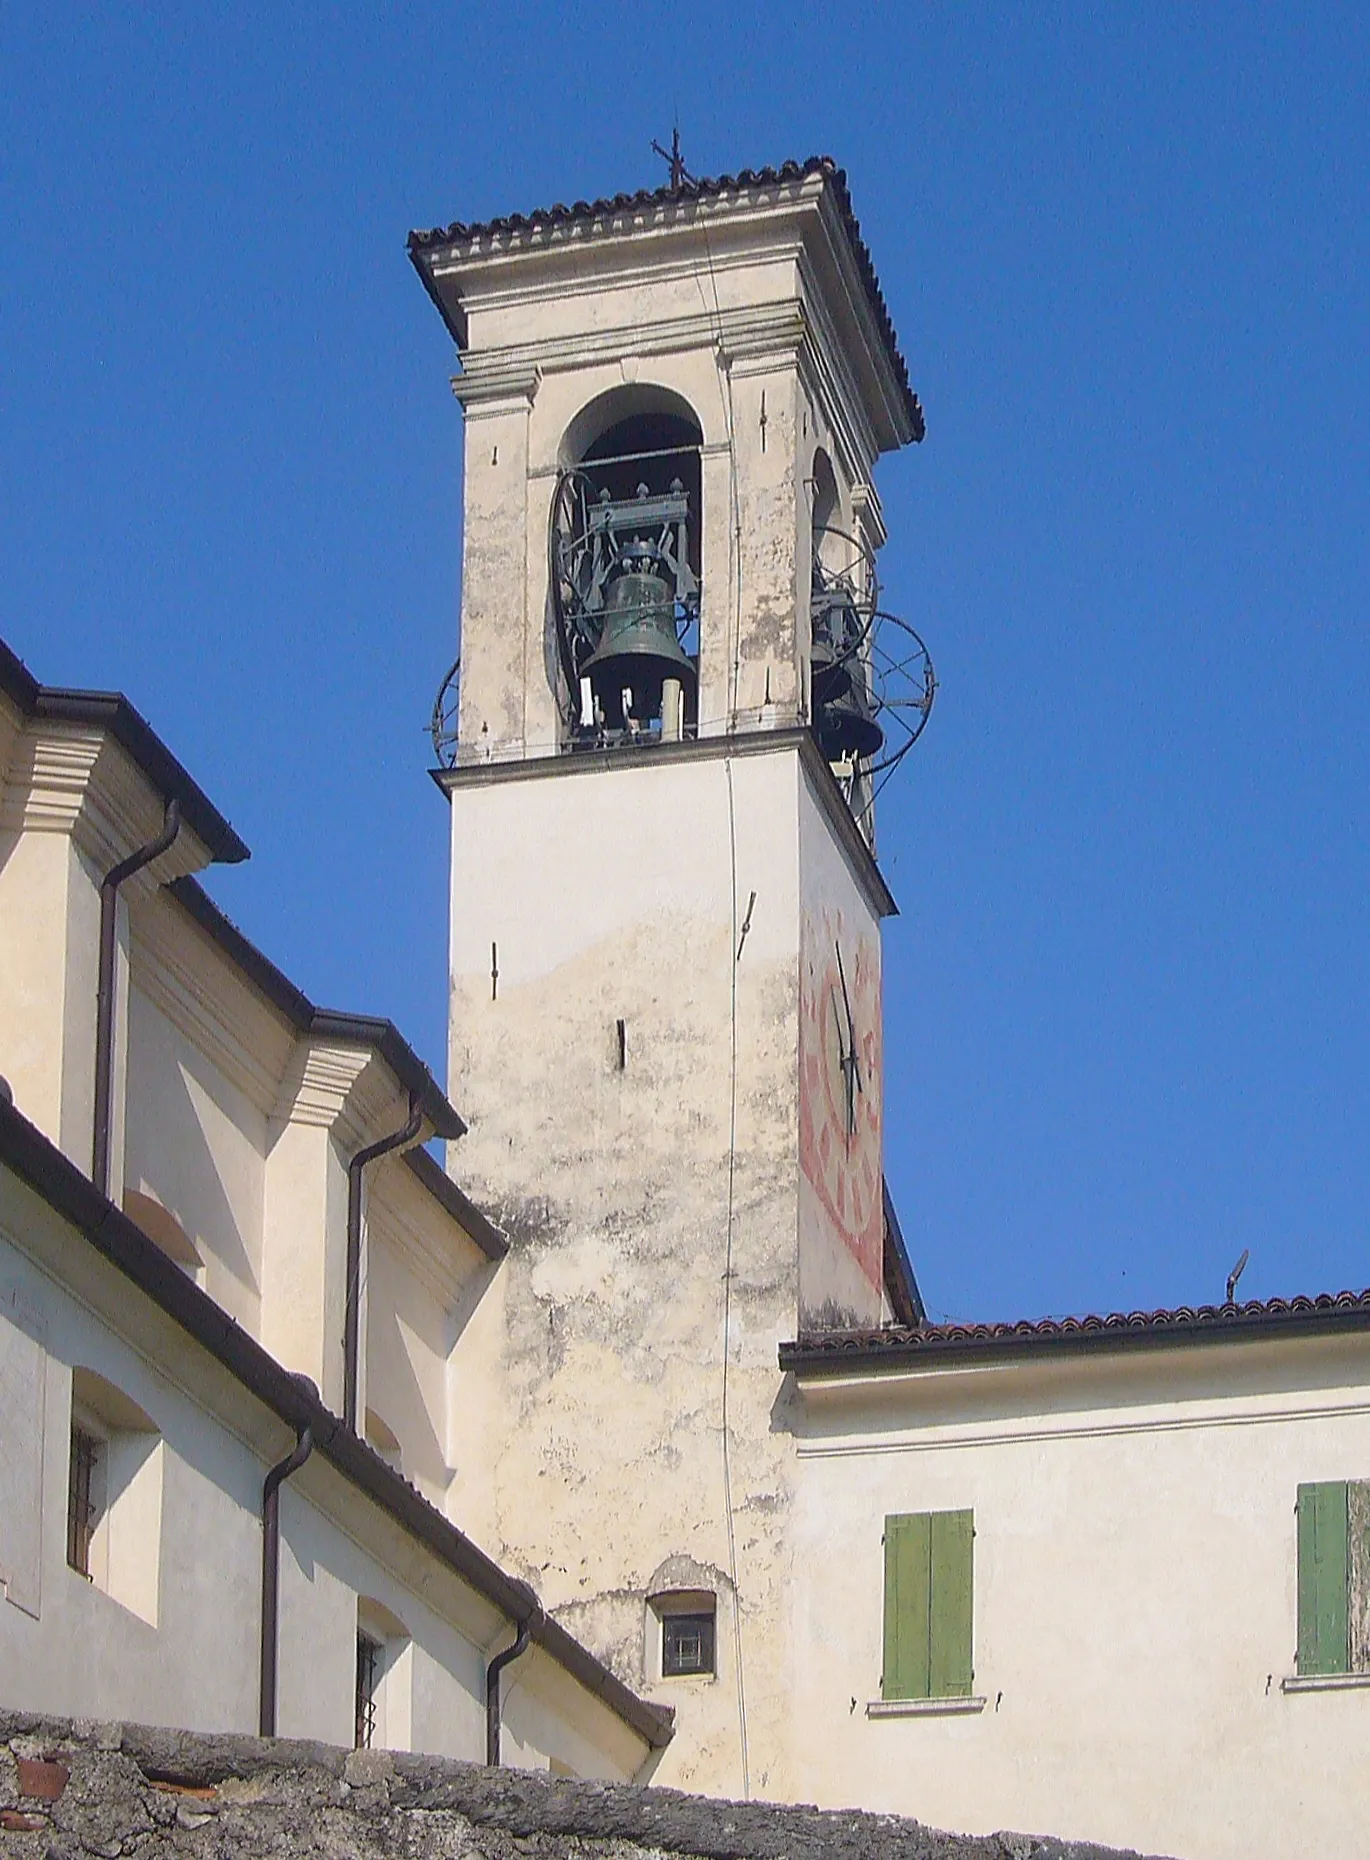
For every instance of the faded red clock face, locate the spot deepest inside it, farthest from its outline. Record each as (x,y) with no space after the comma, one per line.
(841,1084)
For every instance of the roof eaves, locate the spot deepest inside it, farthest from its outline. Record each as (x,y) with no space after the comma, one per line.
(438,238)
(894,1348)
(294,1400)
(479,1227)
(111,711)
(399,1055)
(325,1023)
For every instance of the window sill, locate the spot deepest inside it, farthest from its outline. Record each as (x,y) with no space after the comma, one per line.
(925,1708)
(1325,1682)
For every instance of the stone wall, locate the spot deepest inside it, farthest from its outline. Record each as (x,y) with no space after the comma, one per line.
(69,1790)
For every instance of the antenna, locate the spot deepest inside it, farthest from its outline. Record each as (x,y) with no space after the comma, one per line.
(1237,1272)
(680,174)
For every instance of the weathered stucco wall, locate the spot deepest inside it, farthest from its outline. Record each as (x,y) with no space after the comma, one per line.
(1135,1609)
(608,895)
(116,1792)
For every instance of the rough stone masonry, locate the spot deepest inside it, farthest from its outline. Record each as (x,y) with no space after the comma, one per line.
(73,1789)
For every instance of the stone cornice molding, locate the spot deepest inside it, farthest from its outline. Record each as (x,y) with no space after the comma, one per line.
(79,782)
(347,1089)
(503,370)
(497,384)
(205,998)
(516,262)
(868,514)
(794,225)
(402,1217)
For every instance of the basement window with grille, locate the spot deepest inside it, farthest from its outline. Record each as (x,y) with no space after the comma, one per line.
(114,1494)
(84,1493)
(370,1660)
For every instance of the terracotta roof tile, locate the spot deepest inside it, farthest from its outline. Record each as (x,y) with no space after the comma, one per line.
(896,1345)
(461,232)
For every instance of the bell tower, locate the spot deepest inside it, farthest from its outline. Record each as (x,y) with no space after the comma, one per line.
(676,699)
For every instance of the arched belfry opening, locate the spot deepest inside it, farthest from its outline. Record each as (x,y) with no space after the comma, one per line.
(624,569)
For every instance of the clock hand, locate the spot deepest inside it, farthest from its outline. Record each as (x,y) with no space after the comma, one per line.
(851,1022)
(844,1065)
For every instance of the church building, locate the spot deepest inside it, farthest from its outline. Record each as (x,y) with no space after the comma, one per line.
(622,1447)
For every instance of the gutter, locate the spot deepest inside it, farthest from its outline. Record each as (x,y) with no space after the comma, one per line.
(25,1150)
(383,1036)
(111,711)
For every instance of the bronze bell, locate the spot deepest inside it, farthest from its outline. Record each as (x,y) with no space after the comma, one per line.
(638,653)
(845,721)
(639,625)
(837,628)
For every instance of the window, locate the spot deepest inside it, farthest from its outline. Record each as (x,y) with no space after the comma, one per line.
(370,1657)
(1334,1578)
(928,1586)
(687,1645)
(114,1494)
(83,1497)
(688,1623)
(383,1689)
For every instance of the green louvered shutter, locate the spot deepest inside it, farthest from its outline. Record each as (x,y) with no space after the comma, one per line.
(908,1599)
(953,1550)
(1322,1578)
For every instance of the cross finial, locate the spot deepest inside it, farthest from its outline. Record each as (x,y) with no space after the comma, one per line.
(679,173)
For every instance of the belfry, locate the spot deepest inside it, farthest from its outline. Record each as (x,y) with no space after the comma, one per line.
(677,697)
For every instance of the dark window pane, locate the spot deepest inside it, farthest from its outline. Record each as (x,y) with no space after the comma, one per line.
(687,1644)
(368,1678)
(81,1518)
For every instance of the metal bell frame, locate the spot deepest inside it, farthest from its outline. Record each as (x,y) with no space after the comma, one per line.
(607,560)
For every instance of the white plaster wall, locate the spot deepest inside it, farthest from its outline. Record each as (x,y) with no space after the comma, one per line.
(407,1338)
(49,924)
(195,1143)
(1134,1599)
(73,1649)
(304,1238)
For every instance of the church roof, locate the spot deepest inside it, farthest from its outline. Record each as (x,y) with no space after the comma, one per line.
(543,218)
(111,711)
(899,1347)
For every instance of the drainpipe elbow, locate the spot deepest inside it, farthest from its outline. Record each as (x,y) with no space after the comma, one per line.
(493,1717)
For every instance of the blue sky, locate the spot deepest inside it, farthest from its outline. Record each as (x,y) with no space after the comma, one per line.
(1126,253)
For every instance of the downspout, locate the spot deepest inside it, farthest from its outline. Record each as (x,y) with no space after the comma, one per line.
(271,1573)
(104,994)
(353,1304)
(492,1699)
